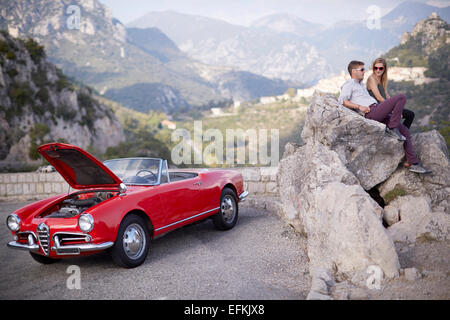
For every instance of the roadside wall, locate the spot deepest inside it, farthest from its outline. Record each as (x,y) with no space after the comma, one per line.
(258,181)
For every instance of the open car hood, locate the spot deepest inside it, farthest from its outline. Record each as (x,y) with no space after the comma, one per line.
(80,169)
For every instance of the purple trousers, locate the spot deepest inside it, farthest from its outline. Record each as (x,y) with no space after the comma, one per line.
(389,112)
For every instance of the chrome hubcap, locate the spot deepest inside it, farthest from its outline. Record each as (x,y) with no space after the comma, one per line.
(134,241)
(228,208)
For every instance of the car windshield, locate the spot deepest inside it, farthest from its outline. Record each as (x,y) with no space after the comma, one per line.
(135,171)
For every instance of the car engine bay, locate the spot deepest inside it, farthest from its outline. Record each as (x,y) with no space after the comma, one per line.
(72,207)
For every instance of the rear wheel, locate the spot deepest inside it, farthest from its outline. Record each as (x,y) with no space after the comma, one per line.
(227,217)
(132,243)
(43,259)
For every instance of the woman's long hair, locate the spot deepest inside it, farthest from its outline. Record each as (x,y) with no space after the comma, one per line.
(384,77)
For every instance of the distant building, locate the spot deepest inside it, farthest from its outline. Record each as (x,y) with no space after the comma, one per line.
(169,124)
(216,111)
(265,100)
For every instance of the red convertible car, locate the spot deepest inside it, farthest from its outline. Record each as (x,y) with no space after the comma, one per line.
(120,205)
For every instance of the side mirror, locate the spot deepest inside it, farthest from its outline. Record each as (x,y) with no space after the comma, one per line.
(122,188)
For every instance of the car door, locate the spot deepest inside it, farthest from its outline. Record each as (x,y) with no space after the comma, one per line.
(178,199)
(207,193)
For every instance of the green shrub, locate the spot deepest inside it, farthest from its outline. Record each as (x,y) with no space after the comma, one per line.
(11,55)
(21,94)
(35,50)
(4,48)
(43,95)
(12,72)
(394,193)
(37,134)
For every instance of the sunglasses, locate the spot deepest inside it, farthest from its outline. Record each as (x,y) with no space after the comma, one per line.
(360,69)
(378,68)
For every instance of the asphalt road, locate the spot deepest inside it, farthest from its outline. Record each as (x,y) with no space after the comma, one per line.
(260,258)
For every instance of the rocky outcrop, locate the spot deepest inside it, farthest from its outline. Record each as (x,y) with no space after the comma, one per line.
(325,201)
(417,220)
(432,151)
(327,188)
(361,144)
(431,32)
(38,104)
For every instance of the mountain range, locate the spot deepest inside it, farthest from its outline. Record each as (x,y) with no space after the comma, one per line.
(286,46)
(172,62)
(141,68)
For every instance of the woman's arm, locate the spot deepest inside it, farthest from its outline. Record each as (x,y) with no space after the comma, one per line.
(372,85)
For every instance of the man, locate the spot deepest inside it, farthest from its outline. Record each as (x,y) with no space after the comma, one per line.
(354,95)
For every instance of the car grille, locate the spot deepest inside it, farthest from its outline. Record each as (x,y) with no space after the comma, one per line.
(43,235)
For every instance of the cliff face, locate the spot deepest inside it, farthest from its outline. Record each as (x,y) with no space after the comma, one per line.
(39,104)
(432,33)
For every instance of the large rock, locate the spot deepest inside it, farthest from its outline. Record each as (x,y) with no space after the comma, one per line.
(342,222)
(432,151)
(361,144)
(305,168)
(418,221)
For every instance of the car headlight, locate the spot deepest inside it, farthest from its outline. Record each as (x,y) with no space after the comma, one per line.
(86,222)
(13,222)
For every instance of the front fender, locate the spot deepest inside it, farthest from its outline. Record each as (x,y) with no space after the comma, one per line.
(110,213)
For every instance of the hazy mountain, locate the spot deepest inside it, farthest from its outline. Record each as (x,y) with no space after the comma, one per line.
(284,22)
(155,43)
(260,49)
(183,27)
(407,14)
(285,46)
(346,41)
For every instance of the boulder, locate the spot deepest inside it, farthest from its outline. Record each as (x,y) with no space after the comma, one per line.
(418,221)
(412,274)
(305,168)
(342,222)
(432,151)
(390,215)
(361,144)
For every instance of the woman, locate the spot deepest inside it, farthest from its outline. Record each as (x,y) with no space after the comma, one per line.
(377,88)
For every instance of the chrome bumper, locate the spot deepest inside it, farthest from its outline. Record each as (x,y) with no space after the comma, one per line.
(78,248)
(243,195)
(21,246)
(63,250)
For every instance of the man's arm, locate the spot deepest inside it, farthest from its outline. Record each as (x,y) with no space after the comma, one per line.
(351,105)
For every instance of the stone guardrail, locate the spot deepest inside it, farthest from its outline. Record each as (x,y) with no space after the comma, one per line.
(34,186)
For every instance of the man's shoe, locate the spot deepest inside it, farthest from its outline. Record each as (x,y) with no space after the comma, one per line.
(395,133)
(418,168)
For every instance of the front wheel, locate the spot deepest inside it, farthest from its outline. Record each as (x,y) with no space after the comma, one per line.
(132,243)
(227,217)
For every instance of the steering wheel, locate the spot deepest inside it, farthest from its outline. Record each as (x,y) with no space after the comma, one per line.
(153,177)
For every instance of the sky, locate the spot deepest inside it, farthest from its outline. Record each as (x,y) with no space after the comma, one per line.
(243,12)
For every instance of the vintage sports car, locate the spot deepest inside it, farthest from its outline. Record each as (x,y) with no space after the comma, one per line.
(120,205)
